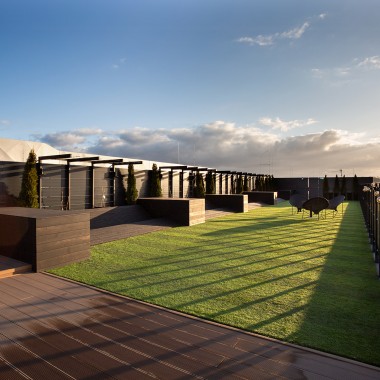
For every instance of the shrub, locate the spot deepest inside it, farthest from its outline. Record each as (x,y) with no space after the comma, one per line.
(239,184)
(28,196)
(210,183)
(199,189)
(154,176)
(131,193)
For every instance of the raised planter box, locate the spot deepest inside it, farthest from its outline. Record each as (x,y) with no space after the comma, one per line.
(267,197)
(233,202)
(44,238)
(185,212)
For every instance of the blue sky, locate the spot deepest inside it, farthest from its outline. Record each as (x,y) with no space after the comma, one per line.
(287,87)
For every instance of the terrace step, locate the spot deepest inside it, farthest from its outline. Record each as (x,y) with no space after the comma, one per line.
(10,267)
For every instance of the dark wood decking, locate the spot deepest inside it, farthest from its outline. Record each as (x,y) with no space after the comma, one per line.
(57,329)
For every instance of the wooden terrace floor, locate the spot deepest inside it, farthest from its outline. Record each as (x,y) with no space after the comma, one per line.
(52,328)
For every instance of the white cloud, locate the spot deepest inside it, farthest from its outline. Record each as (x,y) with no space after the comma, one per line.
(270,39)
(370,62)
(225,145)
(285,125)
(296,32)
(258,40)
(344,74)
(5,122)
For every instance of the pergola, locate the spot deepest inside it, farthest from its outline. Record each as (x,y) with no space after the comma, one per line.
(94,160)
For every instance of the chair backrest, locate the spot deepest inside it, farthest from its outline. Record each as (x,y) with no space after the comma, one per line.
(316,205)
(297,200)
(335,202)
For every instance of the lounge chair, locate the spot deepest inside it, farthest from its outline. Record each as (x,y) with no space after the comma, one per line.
(334,203)
(297,201)
(315,205)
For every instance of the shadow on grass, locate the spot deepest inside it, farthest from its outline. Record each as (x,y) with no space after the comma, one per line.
(340,316)
(276,274)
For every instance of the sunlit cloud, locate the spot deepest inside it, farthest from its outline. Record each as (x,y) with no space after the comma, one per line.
(226,145)
(283,125)
(5,122)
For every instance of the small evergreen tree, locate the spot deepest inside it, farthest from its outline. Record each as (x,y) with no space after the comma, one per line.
(199,189)
(239,184)
(245,184)
(336,186)
(343,187)
(355,188)
(210,183)
(28,196)
(326,189)
(154,177)
(131,193)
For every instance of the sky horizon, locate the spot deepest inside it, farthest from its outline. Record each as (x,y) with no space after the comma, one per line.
(288,88)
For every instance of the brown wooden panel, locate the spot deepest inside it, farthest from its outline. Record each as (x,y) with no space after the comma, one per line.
(62,260)
(61,237)
(64,250)
(62,229)
(65,218)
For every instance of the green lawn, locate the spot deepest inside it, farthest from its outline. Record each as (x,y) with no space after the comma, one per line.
(306,281)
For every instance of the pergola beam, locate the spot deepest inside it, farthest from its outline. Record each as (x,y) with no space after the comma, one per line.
(109,161)
(128,162)
(55,157)
(80,159)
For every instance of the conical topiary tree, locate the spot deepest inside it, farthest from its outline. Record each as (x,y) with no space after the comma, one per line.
(343,186)
(131,193)
(210,183)
(245,183)
(199,189)
(355,188)
(336,186)
(28,196)
(239,184)
(326,187)
(154,177)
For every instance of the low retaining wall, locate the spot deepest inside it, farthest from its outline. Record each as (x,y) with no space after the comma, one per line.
(267,197)
(44,238)
(233,202)
(185,212)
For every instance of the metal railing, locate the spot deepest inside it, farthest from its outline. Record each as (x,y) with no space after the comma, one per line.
(370,203)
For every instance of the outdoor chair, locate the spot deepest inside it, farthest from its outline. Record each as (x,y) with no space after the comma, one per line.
(315,205)
(334,203)
(297,201)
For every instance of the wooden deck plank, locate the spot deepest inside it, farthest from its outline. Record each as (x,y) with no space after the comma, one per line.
(119,337)
(146,357)
(58,357)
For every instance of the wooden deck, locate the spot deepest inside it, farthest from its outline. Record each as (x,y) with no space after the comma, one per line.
(57,329)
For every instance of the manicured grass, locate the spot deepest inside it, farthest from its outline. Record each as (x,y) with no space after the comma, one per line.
(306,281)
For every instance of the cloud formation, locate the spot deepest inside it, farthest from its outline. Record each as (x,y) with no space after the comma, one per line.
(270,39)
(5,122)
(343,74)
(285,125)
(225,145)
